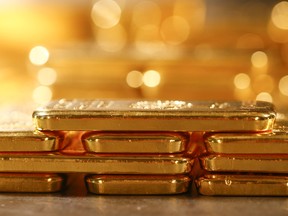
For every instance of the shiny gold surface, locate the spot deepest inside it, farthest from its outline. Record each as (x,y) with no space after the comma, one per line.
(136,142)
(137,184)
(30,182)
(154,115)
(236,163)
(95,164)
(242,185)
(28,141)
(236,143)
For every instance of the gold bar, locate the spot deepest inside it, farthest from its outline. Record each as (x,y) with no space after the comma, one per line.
(235,143)
(236,163)
(137,184)
(137,142)
(242,185)
(154,115)
(31,182)
(95,164)
(28,141)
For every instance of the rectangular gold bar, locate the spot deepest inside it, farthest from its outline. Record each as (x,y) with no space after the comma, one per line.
(135,142)
(95,164)
(17,133)
(241,163)
(236,143)
(137,184)
(242,185)
(133,115)
(28,141)
(31,182)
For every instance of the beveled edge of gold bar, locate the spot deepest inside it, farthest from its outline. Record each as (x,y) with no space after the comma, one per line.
(137,184)
(28,141)
(247,143)
(31,182)
(137,142)
(122,115)
(242,185)
(245,163)
(95,164)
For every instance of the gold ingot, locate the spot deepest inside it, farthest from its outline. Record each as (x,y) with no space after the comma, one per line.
(137,142)
(154,115)
(137,184)
(235,143)
(31,182)
(246,163)
(95,164)
(28,141)
(242,185)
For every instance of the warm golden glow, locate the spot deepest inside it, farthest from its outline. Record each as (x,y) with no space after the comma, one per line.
(148,40)
(194,12)
(134,79)
(112,39)
(47,76)
(106,13)
(264,96)
(146,13)
(263,82)
(42,94)
(242,81)
(175,30)
(283,85)
(259,59)
(250,41)
(151,78)
(279,15)
(39,55)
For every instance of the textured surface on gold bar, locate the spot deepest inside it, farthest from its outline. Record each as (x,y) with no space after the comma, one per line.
(30,182)
(135,142)
(242,185)
(137,184)
(263,164)
(27,141)
(236,143)
(154,115)
(93,164)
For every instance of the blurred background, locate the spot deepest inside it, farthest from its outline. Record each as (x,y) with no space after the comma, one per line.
(152,49)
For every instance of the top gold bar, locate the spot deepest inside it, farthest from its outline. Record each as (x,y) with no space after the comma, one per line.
(135,115)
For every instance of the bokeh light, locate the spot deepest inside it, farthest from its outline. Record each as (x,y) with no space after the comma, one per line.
(105,13)
(134,79)
(175,30)
(242,81)
(264,96)
(47,76)
(283,85)
(42,95)
(39,55)
(151,78)
(279,15)
(259,59)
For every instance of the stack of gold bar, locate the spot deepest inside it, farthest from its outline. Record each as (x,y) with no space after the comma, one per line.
(148,147)
(18,140)
(246,164)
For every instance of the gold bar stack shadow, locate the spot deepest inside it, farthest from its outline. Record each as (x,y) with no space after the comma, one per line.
(147,147)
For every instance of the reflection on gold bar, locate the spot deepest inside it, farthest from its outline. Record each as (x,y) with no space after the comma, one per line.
(242,185)
(235,143)
(95,164)
(137,142)
(27,141)
(30,182)
(137,184)
(155,115)
(235,163)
